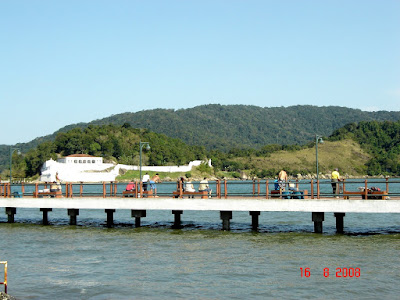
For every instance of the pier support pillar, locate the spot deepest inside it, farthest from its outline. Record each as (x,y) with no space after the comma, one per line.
(226,216)
(254,219)
(45,216)
(318,218)
(137,214)
(110,217)
(339,222)
(11,211)
(72,213)
(177,219)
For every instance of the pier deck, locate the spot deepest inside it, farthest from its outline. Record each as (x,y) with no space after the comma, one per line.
(213,204)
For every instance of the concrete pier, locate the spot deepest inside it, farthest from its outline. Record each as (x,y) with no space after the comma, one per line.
(226,217)
(254,206)
(339,222)
(318,218)
(254,219)
(45,215)
(73,213)
(110,217)
(10,212)
(137,214)
(177,219)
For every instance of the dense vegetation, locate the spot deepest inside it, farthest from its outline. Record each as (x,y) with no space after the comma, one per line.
(379,152)
(244,126)
(114,143)
(380,139)
(223,133)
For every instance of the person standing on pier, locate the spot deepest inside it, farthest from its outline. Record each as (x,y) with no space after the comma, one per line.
(155,179)
(282,179)
(335,178)
(145,181)
(58,182)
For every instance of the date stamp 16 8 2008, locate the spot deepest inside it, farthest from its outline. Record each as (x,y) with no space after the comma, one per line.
(338,272)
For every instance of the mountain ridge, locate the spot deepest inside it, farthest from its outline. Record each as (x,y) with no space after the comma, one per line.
(223,127)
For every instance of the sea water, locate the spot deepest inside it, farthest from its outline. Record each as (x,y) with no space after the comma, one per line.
(200,261)
(284,259)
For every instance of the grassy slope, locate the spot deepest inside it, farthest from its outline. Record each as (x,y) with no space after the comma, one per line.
(345,155)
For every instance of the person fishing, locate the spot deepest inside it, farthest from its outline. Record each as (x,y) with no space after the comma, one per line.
(335,178)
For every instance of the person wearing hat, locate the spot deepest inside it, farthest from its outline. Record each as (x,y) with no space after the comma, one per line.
(335,178)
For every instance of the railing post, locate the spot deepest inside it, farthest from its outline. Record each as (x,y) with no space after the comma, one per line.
(5,276)
(266,189)
(254,188)
(23,188)
(70,190)
(387,185)
(312,188)
(136,189)
(104,189)
(180,189)
(81,189)
(344,185)
(218,189)
(366,189)
(258,187)
(226,189)
(36,188)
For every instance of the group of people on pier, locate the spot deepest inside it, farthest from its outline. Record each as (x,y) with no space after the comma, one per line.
(185,184)
(282,183)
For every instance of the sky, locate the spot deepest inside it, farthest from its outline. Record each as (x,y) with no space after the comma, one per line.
(64,62)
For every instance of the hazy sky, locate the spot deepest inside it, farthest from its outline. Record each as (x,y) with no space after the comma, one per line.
(64,62)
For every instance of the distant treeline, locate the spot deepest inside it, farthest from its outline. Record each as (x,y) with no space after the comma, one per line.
(214,131)
(380,139)
(121,145)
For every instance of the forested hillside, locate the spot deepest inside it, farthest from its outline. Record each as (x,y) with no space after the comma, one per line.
(224,127)
(219,127)
(371,148)
(115,143)
(380,139)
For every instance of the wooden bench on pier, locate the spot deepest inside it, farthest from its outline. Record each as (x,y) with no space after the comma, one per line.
(55,194)
(148,194)
(203,194)
(289,194)
(370,195)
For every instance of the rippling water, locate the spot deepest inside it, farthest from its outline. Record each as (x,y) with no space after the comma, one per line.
(90,261)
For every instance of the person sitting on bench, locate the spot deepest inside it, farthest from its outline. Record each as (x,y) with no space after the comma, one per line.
(205,187)
(54,187)
(130,187)
(189,186)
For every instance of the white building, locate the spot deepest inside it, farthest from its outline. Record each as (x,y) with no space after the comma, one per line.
(87,168)
(81,159)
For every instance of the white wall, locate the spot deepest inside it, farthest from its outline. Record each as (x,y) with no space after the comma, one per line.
(100,172)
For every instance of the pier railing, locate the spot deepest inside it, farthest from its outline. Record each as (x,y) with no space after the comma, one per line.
(223,189)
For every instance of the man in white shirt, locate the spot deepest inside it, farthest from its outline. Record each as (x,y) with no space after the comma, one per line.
(145,180)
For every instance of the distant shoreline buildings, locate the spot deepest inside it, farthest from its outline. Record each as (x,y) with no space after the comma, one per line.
(88,168)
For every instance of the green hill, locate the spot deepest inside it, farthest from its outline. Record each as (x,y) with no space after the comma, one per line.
(223,128)
(371,148)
